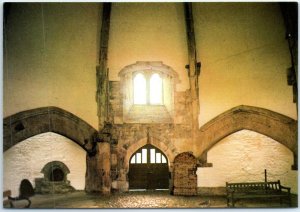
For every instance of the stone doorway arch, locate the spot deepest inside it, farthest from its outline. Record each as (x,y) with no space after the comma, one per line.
(148,169)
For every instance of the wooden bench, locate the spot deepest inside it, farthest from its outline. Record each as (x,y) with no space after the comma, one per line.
(252,190)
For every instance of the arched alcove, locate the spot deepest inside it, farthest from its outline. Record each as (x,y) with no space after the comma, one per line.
(242,157)
(281,128)
(55,179)
(26,159)
(55,171)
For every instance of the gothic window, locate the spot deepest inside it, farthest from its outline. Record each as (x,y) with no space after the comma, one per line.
(139,92)
(156,89)
(148,155)
(147,89)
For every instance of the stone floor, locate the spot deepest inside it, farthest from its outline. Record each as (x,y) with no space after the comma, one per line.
(143,199)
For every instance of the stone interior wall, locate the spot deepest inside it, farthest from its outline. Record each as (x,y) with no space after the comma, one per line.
(54,64)
(171,138)
(242,157)
(27,159)
(185,178)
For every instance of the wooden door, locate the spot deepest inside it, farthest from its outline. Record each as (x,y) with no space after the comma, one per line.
(148,169)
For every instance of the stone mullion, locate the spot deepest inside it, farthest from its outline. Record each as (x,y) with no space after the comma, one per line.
(147,76)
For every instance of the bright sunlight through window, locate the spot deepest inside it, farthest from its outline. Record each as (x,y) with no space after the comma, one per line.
(155,89)
(139,84)
(154,95)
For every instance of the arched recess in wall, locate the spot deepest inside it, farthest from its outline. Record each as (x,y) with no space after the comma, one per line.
(26,124)
(242,157)
(269,123)
(26,160)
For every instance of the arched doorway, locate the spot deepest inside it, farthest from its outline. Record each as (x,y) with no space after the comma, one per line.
(148,169)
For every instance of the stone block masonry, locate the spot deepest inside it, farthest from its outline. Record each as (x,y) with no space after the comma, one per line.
(185,178)
(163,131)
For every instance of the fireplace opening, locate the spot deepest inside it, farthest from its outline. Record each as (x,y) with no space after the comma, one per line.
(56,175)
(55,179)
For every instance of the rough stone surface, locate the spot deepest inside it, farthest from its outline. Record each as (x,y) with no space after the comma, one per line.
(243,157)
(23,125)
(185,178)
(148,199)
(27,159)
(164,132)
(281,128)
(47,185)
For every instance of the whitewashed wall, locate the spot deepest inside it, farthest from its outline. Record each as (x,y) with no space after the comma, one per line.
(26,160)
(243,157)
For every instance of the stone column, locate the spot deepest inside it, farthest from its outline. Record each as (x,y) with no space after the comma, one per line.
(97,177)
(104,154)
(93,179)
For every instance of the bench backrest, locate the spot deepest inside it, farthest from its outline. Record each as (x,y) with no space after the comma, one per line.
(255,187)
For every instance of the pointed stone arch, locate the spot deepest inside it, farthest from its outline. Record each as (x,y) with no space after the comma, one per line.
(26,124)
(281,128)
(169,152)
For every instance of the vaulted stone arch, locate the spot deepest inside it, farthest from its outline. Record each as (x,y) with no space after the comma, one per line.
(274,125)
(25,124)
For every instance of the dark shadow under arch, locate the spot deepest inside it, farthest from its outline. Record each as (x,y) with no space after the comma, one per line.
(25,124)
(51,166)
(269,123)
